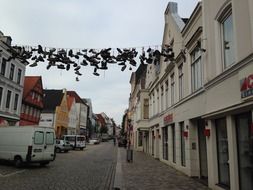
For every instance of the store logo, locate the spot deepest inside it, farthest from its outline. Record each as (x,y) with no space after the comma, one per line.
(247,86)
(168,119)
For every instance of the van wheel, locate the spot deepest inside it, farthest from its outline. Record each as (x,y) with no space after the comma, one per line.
(81,148)
(18,161)
(57,150)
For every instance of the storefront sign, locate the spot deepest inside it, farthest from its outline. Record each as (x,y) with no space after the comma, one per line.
(168,119)
(247,86)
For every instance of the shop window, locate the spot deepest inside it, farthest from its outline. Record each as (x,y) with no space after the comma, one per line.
(245,150)
(165,142)
(222,152)
(140,139)
(173,134)
(182,138)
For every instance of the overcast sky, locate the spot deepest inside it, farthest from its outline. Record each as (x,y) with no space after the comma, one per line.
(88,24)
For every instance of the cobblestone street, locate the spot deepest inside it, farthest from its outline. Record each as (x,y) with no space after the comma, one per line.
(146,173)
(91,169)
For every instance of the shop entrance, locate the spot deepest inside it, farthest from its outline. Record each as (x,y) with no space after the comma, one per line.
(202,151)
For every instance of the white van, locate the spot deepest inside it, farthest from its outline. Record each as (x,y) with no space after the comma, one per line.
(76,141)
(27,144)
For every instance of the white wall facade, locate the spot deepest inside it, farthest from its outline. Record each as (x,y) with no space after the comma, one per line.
(72,119)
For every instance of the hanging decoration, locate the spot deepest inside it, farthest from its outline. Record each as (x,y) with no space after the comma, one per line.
(99,59)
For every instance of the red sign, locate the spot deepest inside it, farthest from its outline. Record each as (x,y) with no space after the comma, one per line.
(168,119)
(247,86)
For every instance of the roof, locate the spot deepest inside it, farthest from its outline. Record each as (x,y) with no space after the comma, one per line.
(101,119)
(29,84)
(70,101)
(76,96)
(52,98)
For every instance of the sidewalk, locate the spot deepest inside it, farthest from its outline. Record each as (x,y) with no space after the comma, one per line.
(149,174)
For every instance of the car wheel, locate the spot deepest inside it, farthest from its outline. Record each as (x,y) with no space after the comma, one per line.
(81,148)
(18,161)
(58,150)
(44,163)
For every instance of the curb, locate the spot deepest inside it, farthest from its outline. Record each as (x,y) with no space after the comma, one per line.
(118,178)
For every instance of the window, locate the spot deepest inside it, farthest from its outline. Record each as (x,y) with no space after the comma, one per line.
(157,94)
(16,101)
(8,100)
(172,88)
(49,138)
(153,103)
(165,142)
(146,109)
(3,66)
(228,40)
(222,154)
(181,124)
(38,137)
(162,99)
(19,76)
(180,75)
(1,95)
(12,71)
(196,69)
(166,94)
(173,142)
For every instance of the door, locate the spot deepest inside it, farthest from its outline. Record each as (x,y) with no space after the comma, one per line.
(38,145)
(49,145)
(244,131)
(202,150)
(157,143)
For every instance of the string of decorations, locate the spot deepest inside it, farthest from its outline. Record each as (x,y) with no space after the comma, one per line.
(99,59)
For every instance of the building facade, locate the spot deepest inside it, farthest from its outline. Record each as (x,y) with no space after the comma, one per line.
(201,101)
(32,103)
(71,130)
(12,73)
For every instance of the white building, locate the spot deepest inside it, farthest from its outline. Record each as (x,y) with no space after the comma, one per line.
(201,102)
(11,83)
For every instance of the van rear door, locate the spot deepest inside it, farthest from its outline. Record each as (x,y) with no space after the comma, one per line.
(49,145)
(38,145)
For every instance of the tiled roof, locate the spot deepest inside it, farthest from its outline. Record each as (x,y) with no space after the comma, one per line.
(29,84)
(52,98)
(76,96)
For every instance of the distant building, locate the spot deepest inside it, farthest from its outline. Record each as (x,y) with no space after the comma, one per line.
(11,83)
(72,115)
(82,113)
(55,112)
(32,103)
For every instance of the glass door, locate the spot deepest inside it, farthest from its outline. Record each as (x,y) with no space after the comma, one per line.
(245,150)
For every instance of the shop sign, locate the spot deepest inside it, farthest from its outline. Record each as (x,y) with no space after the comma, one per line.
(247,86)
(168,119)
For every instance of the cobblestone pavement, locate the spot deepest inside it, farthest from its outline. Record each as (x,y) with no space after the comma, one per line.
(91,169)
(149,174)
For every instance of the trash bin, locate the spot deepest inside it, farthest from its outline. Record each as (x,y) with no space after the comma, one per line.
(129,155)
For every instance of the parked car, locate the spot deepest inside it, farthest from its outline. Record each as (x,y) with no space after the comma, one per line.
(62,146)
(94,141)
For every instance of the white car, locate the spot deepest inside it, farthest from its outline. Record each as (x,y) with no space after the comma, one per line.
(94,141)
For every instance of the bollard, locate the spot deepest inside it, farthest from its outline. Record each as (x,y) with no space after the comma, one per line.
(129,155)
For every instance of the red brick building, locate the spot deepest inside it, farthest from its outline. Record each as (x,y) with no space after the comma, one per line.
(32,102)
